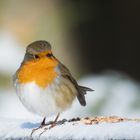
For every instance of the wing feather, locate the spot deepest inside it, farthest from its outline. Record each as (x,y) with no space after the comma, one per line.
(81,91)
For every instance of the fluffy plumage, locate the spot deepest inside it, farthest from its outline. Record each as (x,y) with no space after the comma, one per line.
(40,91)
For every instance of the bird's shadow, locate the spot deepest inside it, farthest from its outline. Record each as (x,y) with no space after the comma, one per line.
(29,125)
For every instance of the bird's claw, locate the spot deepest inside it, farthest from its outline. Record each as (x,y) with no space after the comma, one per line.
(52,125)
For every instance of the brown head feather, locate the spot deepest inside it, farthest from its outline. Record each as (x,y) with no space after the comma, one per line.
(38,47)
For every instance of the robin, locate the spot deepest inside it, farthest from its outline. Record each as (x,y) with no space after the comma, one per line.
(44,85)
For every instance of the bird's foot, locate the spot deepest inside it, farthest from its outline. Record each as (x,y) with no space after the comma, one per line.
(51,123)
(35,129)
(43,125)
(40,127)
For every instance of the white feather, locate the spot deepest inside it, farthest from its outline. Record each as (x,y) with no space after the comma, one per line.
(43,101)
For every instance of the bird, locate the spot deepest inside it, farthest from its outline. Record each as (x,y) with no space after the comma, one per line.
(44,85)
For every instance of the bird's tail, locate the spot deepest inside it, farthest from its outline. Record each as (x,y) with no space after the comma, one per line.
(85,89)
(81,95)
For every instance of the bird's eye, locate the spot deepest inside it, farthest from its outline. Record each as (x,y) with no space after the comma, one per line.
(49,55)
(36,56)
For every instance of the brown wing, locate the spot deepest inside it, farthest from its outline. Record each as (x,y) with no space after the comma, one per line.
(81,91)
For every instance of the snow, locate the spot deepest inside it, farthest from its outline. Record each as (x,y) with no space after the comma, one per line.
(21,129)
(11,53)
(115,94)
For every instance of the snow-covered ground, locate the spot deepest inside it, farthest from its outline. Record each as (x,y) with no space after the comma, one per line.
(21,129)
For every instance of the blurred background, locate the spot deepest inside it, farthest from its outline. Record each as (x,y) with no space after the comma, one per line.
(97,40)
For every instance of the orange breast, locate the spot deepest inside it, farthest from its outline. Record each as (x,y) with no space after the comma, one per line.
(41,71)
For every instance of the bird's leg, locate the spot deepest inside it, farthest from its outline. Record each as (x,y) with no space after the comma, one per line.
(43,122)
(41,125)
(53,124)
(55,121)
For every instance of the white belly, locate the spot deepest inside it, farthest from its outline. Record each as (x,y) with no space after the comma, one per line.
(46,102)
